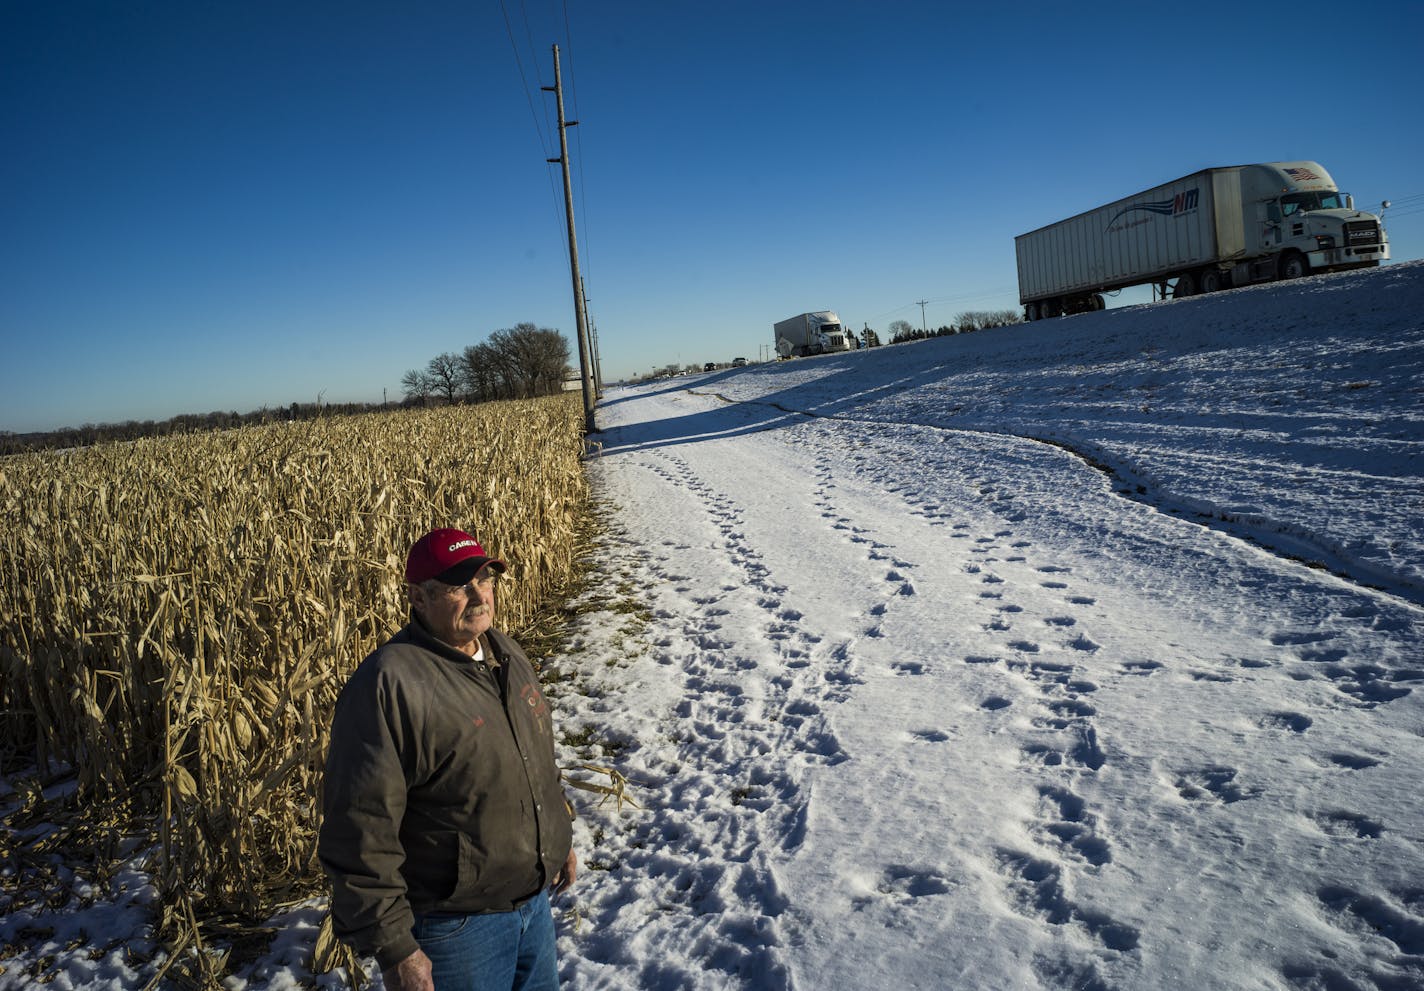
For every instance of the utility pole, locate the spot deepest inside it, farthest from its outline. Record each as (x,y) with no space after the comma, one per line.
(921,303)
(579,314)
(597,361)
(594,360)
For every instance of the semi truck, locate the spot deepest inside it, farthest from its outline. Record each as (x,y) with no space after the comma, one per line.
(1213,229)
(809,333)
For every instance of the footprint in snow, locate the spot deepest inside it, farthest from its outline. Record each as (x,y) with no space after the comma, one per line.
(1140,667)
(1293,721)
(1214,782)
(901,883)
(1037,887)
(1293,638)
(1348,825)
(1211,676)
(913,882)
(1392,915)
(1064,816)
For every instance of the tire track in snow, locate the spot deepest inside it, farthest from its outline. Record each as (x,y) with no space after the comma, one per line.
(1285,541)
(1051,651)
(1040,651)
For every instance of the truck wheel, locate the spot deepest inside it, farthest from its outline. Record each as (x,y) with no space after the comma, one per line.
(1030,312)
(1097,303)
(1294,265)
(1186,286)
(1211,281)
(1050,308)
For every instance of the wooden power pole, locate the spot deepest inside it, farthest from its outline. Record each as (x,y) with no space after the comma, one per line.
(579,313)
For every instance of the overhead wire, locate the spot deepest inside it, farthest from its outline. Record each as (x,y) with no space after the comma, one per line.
(960,297)
(1403,206)
(556,200)
(578,142)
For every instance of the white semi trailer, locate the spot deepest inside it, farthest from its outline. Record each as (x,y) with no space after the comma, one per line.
(809,333)
(1211,230)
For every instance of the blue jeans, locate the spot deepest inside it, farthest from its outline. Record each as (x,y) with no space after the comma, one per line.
(510,951)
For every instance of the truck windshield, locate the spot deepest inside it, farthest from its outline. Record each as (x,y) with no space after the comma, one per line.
(1293,203)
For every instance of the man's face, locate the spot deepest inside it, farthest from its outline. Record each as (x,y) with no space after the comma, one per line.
(456,614)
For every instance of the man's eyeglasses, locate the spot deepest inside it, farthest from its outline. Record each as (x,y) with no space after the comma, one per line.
(484,583)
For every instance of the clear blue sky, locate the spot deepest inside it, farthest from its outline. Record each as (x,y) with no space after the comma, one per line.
(221,206)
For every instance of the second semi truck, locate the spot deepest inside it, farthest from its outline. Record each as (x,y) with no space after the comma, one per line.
(1211,230)
(809,333)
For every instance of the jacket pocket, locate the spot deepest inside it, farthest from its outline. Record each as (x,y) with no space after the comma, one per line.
(432,866)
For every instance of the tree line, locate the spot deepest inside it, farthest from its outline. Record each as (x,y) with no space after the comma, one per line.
(519,362)
(183,423)
(965,323)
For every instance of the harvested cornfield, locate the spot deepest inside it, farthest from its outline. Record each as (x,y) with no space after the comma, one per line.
(178,615)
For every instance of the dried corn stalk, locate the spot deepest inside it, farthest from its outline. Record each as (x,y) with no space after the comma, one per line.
(177,615)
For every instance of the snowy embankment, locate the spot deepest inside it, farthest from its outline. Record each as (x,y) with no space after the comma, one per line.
(1293,412)
(913,693)
(921,700)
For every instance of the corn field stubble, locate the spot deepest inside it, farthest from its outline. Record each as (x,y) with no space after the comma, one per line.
(178,615)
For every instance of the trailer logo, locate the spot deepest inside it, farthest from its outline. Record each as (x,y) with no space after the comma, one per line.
(1181,203)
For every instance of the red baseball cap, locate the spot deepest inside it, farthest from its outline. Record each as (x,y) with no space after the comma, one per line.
(451,555)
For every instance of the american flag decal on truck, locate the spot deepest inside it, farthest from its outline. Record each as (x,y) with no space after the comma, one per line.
(1181,203)
(1301,175)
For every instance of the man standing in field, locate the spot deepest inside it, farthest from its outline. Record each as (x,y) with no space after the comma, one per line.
(444,825)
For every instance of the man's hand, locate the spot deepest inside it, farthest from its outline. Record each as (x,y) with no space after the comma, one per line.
(411,974)
(565,879)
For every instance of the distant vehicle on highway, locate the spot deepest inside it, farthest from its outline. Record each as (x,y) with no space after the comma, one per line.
(809,333)
(711,366)
(738,362)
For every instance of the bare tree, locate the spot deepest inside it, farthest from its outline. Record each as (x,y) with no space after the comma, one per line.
(481,367)
(416,385)
(444,371)
(551,361)
(530,360)
(900,330)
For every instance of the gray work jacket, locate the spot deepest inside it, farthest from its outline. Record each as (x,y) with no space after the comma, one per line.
(441,791)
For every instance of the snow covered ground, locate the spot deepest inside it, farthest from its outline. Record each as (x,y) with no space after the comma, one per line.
(1086,654)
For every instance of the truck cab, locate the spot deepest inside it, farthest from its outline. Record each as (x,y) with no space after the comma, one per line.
(1305,224)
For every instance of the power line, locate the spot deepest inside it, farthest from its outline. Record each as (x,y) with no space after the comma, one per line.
(578,135)
(960,297)
(528,94)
